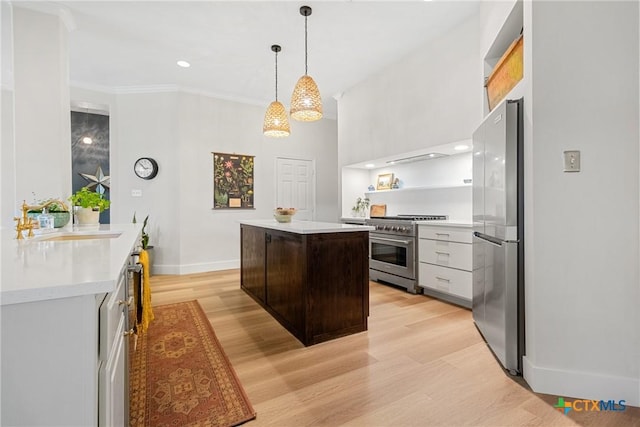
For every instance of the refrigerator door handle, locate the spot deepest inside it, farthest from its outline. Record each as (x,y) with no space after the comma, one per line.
(489,239)
(493,240)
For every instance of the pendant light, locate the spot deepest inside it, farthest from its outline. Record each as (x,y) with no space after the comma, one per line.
(276,122)
(86,135)
(306,103)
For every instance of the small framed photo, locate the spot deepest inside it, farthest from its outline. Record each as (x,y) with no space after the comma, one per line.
(384,181)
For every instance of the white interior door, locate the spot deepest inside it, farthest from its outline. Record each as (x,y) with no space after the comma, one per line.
(295,186)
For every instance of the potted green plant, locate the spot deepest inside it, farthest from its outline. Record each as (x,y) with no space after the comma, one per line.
(88,205)
(144,240)
(360,208)
(55,207)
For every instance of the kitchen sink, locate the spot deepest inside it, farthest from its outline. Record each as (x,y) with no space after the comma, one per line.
(82,237)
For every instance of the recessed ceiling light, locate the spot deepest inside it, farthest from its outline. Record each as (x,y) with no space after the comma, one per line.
(183,64)
(460,147)
(369,165)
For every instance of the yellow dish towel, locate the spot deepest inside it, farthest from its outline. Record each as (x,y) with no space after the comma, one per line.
(147,311)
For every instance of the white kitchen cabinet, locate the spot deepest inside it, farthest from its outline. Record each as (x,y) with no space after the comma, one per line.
(112,388)
(64,316)
(445,261)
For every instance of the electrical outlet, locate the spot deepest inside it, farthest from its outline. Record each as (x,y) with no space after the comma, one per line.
(572,161)
(136,193)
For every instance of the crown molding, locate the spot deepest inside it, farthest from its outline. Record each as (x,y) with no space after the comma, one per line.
(91,86)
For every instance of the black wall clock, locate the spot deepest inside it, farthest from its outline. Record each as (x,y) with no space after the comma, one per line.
(146,168)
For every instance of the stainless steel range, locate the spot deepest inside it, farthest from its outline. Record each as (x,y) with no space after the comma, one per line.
(392,249)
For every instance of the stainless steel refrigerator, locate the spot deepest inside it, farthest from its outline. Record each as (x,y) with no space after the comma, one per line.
(498,233)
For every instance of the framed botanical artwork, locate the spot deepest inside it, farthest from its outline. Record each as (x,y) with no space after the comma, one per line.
(232,181)
(384,181)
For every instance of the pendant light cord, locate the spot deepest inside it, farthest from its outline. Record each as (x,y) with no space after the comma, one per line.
(305,45)
(276,76)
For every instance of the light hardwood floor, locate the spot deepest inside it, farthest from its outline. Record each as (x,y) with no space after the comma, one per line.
(421,363)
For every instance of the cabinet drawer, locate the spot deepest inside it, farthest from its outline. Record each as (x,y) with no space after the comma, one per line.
(448,254)
(110,312)
(451,234)
(443,279)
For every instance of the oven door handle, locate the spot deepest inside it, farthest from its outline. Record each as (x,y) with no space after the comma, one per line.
(404,242)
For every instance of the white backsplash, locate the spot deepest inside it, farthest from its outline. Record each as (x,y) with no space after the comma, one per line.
(434,187)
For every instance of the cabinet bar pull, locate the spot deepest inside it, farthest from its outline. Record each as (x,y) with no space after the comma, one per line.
(443,253)
(443,279)
(442,234)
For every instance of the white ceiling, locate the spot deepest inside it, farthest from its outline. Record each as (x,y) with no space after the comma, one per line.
(133,46)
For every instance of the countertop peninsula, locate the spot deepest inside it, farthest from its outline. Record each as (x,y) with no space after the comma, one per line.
(66,325)
(39,268)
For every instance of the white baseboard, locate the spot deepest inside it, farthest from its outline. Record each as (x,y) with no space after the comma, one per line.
(581,385)
(195,268)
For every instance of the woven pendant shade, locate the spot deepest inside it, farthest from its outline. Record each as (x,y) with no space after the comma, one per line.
(276,122)
(306,103)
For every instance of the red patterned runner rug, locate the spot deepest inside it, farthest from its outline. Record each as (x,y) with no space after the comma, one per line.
(180,375)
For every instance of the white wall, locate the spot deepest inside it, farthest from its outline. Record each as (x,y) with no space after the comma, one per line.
(428,98)
(582,276)
(7,156)
(180,130)
(147,126)
(41,101)
(207,125)
(492,15)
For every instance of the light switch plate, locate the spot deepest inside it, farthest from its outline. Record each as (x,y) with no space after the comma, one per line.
(572,161)
(136,193)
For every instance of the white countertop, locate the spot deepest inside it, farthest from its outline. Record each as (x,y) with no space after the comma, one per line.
(446,223)
(306,227)
(353,220)
(37,269)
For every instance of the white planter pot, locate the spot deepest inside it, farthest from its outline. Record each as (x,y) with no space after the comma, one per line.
(87,216)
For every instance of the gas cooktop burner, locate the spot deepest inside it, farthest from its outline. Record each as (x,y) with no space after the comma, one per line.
(414,217)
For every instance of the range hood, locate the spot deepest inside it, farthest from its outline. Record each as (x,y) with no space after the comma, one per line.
(427,153)
(427,156)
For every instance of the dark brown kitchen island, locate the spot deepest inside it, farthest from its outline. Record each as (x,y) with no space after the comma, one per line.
(312,277)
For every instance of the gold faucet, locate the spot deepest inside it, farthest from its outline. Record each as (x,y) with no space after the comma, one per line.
(26,223)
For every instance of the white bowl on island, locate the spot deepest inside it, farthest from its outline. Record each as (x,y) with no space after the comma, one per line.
(284,214)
